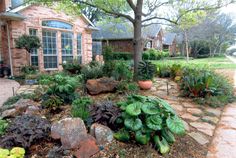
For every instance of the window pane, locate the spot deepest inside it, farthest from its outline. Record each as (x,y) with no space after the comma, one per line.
(97,48)
(34,61)
(66,43)
(67,59)
(49,49)
(57,24)
(79,48)
(50,62)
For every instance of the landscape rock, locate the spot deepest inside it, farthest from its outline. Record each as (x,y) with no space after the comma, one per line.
(102,133)
(71,132)
(32,110)
(200,138)
(58,152)
(102,85)
(203,127)
(9,113)
(22,104)
(88,148)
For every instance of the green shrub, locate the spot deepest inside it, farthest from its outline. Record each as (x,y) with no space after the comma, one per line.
(3,126)
(15,152)
(121,71)
(107,53)
(72,68)
(147,119)
(80,108)
(12,100)
(92,71)
(52,102)
(199,82)
(61,85)
(127,87)
(153,54)
(146,70)
(29,70)
(122,56)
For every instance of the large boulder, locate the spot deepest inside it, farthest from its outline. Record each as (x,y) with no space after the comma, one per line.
(20,107)
(73,135)
(71,131)
(88,148)
(101,85)
(102,133)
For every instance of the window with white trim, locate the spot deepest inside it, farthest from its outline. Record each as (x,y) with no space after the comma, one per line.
(34,53)
(67,46)
(50,49)
(79,48)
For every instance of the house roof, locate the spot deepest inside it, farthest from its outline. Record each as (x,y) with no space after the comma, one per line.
(169,38)
(11,16)
(25,5)
(112,31)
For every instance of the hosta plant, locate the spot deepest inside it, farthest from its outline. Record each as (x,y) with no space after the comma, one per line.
(148,119)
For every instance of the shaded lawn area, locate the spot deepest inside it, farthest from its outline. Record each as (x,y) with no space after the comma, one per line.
(213,62)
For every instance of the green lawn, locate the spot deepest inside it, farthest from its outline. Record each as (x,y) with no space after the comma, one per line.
(214,62)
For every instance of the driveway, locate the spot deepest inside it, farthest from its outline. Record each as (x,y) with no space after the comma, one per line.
(233,59)
(6,89)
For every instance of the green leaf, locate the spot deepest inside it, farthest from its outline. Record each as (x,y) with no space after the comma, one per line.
(134,109)
(122,135)
(175,125)
(150,109)
(142,138)
(166,105)
(154,122)
(133,124)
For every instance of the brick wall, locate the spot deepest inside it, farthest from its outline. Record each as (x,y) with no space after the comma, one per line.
(34,17)
(120,45)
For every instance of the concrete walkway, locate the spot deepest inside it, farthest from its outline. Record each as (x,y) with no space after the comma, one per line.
(224,142)
(6,89)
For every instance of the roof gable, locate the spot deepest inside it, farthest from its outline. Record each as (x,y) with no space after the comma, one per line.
(169,38)
(25,6)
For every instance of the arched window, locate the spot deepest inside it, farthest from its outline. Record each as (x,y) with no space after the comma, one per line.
(57,24)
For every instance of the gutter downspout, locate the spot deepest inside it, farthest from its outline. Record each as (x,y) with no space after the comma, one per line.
(9,49)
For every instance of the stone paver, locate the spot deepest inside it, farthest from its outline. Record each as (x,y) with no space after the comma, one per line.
(194,111)
(204,127)
(224,141)
(6,89)
(200,138)
(189,117)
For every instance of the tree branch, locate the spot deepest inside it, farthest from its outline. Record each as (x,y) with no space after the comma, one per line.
(160,18)
(107,11)
(153,8)
(131,4)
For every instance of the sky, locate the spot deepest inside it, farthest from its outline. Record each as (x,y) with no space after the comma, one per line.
(230,9)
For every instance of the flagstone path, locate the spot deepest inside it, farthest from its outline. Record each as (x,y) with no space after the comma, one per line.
(224,142)
(6,89)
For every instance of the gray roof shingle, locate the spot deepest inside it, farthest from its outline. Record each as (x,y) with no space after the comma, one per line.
(169,38)
(123,31)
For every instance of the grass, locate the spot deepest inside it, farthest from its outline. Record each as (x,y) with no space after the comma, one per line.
(213,62)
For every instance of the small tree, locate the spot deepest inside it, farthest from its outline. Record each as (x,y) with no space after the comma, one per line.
(27,42)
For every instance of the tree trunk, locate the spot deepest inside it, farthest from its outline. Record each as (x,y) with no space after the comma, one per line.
(137,41)
(186,44)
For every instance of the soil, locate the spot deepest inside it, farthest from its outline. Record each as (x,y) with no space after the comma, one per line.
(185,147)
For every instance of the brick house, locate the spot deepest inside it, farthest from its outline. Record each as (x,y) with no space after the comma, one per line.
(63,37)
(120,37)
(170,43)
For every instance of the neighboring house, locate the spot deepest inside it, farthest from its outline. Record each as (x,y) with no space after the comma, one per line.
(63,37)
(170,43)
(120,37)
